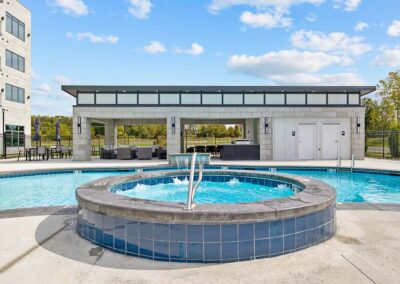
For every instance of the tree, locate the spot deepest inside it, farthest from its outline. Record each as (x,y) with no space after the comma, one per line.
(389,89)
(371,112)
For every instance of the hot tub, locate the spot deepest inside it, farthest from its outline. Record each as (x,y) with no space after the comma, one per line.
(210,233)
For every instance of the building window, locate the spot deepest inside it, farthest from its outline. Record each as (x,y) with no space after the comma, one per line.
(15,27)
(15,136)
(15,94)
(15,61)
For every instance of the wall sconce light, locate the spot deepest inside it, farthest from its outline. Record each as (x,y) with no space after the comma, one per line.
(358,125)
(173,126)
(266,125)
(2,90)
(79,125)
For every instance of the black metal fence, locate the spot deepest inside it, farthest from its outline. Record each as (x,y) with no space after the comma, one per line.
(382,144)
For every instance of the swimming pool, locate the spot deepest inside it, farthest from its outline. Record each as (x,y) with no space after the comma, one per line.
(58,188)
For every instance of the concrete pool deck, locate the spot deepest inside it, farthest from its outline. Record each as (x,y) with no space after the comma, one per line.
(46,248)
(11,165)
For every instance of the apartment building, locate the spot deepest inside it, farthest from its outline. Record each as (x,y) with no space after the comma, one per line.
(15,76)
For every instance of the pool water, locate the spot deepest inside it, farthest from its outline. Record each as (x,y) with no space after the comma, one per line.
(44,190)
(358,187)
(59,189)
(209,192)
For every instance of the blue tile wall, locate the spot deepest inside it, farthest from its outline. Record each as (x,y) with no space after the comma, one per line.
(207,243)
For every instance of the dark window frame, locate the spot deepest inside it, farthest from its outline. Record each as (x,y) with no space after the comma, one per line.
(15,136)
(15,61)
(15,94)
(14,25)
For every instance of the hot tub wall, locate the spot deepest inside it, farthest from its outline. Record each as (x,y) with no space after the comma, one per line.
(216,242)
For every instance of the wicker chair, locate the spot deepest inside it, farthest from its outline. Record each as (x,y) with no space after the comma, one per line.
(145,153)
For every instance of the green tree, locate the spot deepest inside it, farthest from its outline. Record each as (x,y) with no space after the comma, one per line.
(371,109)
(389,89)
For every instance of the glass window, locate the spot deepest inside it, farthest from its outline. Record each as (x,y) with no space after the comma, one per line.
(354,99)
(316,99)
(212,99)
(127,99)
(15,94)
(105,99)
(15,61)
(275,99)
(15,136)
(233,99)
(15,27)
(296,99)
(254,99)
(169,99)
(190,99)
(148,99)
(337,99)
(85,98)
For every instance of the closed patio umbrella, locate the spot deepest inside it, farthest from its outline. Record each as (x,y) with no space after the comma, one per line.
(58,132)
(36,127)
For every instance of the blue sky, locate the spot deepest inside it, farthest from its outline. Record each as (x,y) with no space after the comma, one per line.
(234,42)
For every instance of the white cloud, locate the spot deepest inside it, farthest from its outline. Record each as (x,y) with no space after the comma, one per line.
(388,57)
(217,5)
(93,38)
(347,5)
(155,47)
(394,29)
(311,17)
(284,62)
(331,42)
(43,88)
(360,26)
(140,8)
(195,49)
(62,80)
(265,20)
(345,79)
(72,7)
(291,67)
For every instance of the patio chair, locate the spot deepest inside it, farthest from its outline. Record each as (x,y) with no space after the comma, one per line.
(145,153)
(200,149)
(124,153)
(42,153)
(65,152)
(107,152)
(162,153)
(155,149)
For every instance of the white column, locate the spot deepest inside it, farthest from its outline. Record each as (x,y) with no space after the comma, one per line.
(250,130)
(110,133)
(173,137)
(81,139)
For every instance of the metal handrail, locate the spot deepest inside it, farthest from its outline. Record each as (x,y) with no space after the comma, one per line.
(352,163)
(192,187)
(196,186)
(339,162)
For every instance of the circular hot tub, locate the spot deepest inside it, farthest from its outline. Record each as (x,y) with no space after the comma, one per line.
(222,229)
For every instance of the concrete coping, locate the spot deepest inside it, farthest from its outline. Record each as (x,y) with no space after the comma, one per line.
(97,197)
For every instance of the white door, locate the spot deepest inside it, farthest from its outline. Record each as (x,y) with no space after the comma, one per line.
(307,148)
(330,141)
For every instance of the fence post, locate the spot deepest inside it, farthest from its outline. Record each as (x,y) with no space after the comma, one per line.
(383,144)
